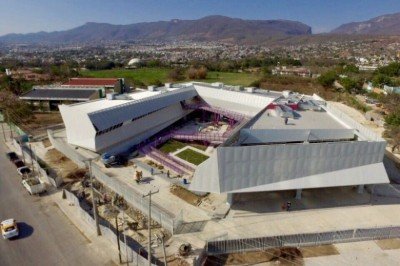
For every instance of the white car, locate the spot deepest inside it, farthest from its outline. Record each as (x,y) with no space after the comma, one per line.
(9,228)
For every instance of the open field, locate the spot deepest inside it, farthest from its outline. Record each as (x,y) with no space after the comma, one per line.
(192,156)
(150,76)
(144,75)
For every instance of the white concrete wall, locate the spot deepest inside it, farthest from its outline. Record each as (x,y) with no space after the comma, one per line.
(139,130)
(251,166)
(79,128)
(241,102)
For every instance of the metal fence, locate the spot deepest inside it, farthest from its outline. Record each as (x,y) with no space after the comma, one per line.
(129,252)
(160,215)
(298,240)
(165,218)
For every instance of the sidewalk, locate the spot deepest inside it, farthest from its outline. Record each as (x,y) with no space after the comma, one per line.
(99,243)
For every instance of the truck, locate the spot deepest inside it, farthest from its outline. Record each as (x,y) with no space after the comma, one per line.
(34,185)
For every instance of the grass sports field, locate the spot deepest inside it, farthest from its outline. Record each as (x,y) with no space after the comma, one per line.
(149,76)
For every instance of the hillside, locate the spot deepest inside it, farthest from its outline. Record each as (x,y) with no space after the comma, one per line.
(211,28)
(382,25)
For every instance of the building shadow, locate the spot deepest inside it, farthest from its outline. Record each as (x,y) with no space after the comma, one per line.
(247,204)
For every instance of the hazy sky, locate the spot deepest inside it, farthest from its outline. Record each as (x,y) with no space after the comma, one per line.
(22,16)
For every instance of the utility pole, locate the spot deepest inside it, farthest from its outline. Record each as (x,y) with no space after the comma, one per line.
(126,244)
(149,224)
(4,133)
(119,246)
(22,152)
(163,246)
(33,166)
(95,215)
(9,124)
(36,159)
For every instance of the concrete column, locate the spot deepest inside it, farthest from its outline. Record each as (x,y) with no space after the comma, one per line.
(360,189)
(298,193)
(229,198)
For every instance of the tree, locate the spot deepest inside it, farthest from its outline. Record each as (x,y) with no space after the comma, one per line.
(327,79)
(393,133)
(13,108)
(381,79)
(351,68)
(391,70)
(351,85)
(176,74)
(197,73)
(202,73)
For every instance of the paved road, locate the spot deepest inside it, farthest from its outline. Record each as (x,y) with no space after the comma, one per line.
(47,236)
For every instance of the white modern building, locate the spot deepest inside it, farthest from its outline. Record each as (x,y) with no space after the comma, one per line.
(280,140)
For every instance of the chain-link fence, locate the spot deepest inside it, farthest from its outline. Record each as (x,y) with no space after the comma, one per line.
(165,218)
(158,214)
(129,252)
(298,240)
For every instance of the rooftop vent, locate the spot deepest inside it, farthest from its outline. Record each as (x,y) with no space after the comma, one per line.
(249,89)
(110,96)
(217,84)
(287,93)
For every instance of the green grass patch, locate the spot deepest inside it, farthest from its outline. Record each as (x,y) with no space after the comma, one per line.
(174,145)
(150,76)
(171,146)
(146,75)
(192,156)
(232,78)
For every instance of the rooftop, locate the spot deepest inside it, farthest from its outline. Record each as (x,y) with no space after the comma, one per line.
(307,119)
(91,82)
(59,94)
(102,104)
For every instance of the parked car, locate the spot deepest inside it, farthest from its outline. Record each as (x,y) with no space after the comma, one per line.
(9,228)
(112,160)
(34,185)
(18,163)
(12,156)
(24,171)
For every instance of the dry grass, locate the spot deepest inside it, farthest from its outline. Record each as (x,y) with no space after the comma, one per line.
(57,161)
(387,244)
(176,261)
(281,256)
(46,143)
(186,195)
(317,251)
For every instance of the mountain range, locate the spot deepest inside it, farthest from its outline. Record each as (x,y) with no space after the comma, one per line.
(383,25)
(210,28)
